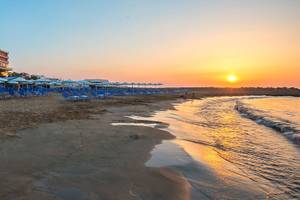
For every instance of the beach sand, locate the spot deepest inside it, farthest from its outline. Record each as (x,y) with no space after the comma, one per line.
(54,149)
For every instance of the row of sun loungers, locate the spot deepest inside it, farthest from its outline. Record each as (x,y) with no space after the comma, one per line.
(75,94)
(22,92)
(83,94)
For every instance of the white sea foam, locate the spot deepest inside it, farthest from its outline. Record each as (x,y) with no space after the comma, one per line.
(261,155)
(269,113)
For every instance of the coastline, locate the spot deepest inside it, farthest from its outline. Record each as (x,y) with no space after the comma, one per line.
(117,148)
(210,175)
(53,149)
(212,151)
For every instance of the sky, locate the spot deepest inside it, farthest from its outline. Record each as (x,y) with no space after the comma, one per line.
(175,42)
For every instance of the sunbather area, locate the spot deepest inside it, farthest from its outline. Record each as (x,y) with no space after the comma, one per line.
(78,90)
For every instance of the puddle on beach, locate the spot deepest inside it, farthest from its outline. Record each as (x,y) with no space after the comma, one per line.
(141,121)
(168,154)
(209,176)
(152,125)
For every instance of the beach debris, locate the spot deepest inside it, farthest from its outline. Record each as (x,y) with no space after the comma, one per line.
(11,134)
(134,136)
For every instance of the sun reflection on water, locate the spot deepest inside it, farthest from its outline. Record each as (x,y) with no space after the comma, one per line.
(214,133)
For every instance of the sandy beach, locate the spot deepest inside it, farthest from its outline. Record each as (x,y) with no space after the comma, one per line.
(54,149)
(125,148)
(149,100)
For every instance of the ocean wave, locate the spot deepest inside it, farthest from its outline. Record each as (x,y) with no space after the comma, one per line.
(283,126)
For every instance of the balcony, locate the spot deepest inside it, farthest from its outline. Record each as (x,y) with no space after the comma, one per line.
(3,62)
(5,68)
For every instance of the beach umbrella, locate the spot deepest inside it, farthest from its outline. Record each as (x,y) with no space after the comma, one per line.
(98,84)
(155,84)
(118,83)
(57,82)
(69,81)
(105,83)
(30,81)
(2,80)
(13,82)
(94,81)
(42,80)
(132,84)
(19,80)
(149,84)
(83,82)
(114,83)
(98,81)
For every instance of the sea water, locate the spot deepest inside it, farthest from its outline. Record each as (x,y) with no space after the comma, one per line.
(234,147)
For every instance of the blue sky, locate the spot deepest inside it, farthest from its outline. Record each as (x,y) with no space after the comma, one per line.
(97,38)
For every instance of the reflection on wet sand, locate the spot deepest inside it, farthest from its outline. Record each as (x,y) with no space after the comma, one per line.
(231,157)
(209,175)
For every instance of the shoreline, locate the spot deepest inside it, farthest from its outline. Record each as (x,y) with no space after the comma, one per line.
(52,149)
(55,149)
(218,168)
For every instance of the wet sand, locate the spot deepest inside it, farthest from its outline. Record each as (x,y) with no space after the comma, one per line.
(54,149)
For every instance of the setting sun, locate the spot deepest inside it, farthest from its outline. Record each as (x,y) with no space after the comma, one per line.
(232,78)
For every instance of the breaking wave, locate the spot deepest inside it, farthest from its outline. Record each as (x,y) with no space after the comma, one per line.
(284,126)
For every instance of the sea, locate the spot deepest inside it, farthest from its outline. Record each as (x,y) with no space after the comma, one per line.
(244,147)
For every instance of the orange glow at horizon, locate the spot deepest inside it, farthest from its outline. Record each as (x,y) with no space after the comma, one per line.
(264,55)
